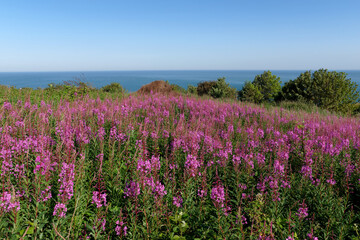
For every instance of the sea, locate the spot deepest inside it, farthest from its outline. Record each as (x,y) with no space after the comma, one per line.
(133,80)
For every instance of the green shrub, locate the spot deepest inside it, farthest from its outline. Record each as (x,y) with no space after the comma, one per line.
(204,88)
(264,88)
(268,84)
(250,93)
(298,89)
(221,89)
(329,90)
(191,89)
(216,89)
(356,110)
(113,88)
(69,90)
(178,88)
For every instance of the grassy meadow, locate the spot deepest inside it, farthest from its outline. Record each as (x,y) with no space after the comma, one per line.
(85,165)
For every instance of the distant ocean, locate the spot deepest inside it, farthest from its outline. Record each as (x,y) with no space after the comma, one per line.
(133,80)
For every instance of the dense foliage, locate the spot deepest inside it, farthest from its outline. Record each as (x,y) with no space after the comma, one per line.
(114,88)
(264,88)
(204,88)
(330,90)
(216,89)
(298,89)
(250,93)
(222,89)
(156,167)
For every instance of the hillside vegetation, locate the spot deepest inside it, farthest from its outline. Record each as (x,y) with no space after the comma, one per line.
(103,165)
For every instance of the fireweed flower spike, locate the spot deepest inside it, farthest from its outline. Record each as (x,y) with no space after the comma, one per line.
(132,190)
(177,201)
(66,178)
(218,196)
(99,199)
(303,211)
(66,191)
(8,202)
(60,210)
(120,229)
(192,165)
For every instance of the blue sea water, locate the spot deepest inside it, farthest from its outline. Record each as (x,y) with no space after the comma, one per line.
(133,80)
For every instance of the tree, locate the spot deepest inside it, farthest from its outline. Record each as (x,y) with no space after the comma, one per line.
(221,89)
(204,88)
(268,84)
(191,89)
(265,87)
(330,90)
(298,89)
(334,91)
(250,93)
(216,89)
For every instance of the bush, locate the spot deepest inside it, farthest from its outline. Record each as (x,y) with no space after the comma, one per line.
(297,90)
(69,90)
(250,93)
(268,84)
(264,88)
(222,90)
(113,88)
(330,90)
(204,88)
(191,89)
(216,89)
(178,89)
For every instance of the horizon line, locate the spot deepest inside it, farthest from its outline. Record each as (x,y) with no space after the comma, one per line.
(148,70)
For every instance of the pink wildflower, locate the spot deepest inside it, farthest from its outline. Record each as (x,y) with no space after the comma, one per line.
(303,211)
(192,165)
(132,190)
(8,202)
(99,199)
(120,228)
(218,195)
(177,201)
(60,210)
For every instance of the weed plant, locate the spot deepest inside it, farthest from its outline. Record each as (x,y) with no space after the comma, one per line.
(174,167)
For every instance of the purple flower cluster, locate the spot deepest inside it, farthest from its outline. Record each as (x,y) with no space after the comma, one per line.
(177,201)
(155,163)
(218,196)
(60,210)
(45,195)
(303,211)
(144,166)
(44,164)
(311,235)
(132,190)
(99,199)
(202,193)
(66,191)
(66,178)
(192,165)
(159,190)
(8,202)
(120,229)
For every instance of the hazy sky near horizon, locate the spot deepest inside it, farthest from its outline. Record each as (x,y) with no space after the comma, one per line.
(83,35)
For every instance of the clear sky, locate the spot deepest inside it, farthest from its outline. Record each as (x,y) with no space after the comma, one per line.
(81,35)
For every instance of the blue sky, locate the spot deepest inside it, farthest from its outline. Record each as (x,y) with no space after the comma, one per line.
(82,35)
